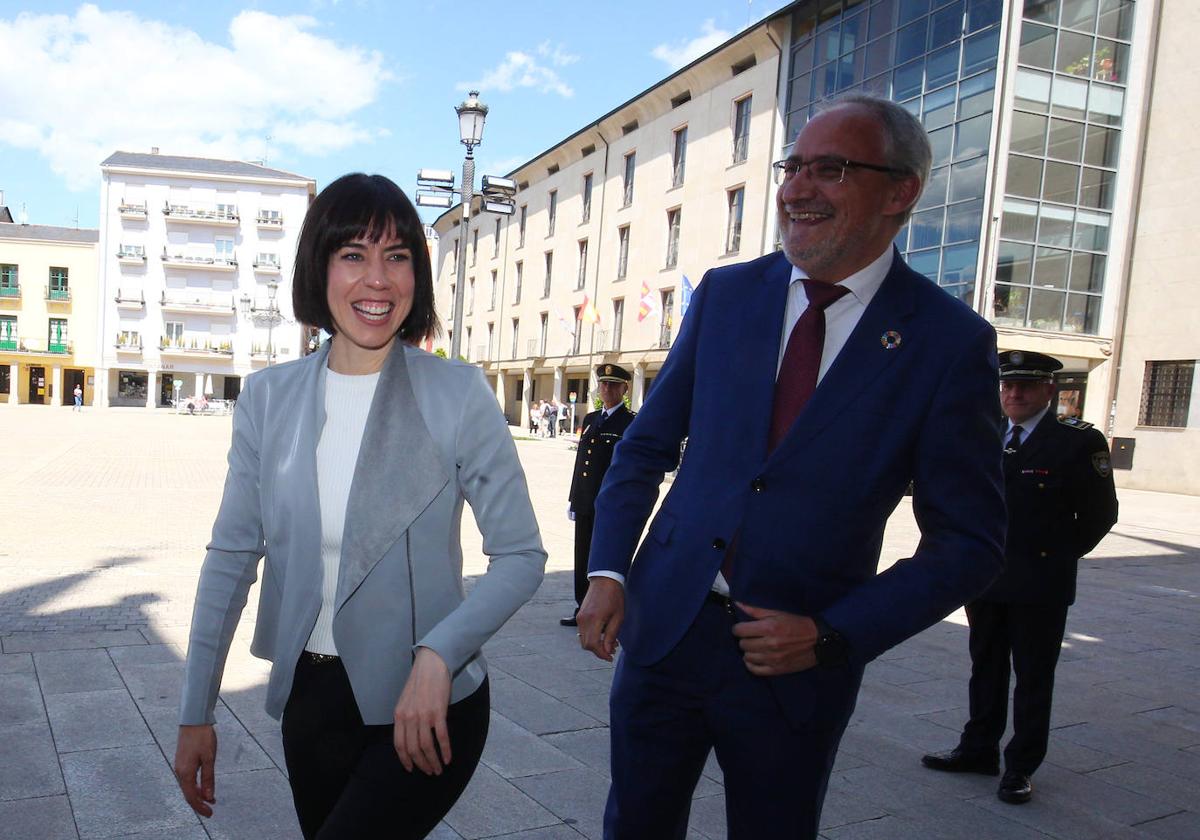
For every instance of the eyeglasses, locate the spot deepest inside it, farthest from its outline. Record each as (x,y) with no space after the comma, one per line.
(825,170)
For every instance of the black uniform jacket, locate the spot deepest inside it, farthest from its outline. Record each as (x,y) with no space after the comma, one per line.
(596,443)
(1061,502)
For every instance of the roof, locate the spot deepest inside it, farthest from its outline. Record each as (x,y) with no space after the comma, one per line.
(49,233)
(201,166)
(5,214)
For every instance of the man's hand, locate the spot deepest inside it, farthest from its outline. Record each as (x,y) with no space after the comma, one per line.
(776,642)
(196,750)
(600,617)
(420,734)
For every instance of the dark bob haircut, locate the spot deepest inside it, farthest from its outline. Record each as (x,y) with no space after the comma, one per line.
(359,206)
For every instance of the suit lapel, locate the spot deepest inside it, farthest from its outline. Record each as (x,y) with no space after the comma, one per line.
(1036,437)
(301,472)
(397,475)
(756,350)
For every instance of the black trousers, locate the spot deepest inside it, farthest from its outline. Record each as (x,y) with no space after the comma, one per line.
(1030,635)
(346,779)
(583,551)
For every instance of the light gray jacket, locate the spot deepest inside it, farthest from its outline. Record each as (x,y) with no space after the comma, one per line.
(434,437)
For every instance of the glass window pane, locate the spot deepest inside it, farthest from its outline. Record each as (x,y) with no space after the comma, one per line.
(1079,14)
(850,69)
(1050,268)
(1116,19)
(1074,53)
(975,95)
(912,9)
(1061,183)
(1009,305)
(1087,272)
(973,137)
(963,221)
(879,56)
(908,80)
(828,43)
(1083,314)
(910,41)
(1033,91)
(879,86)
(945,25)
(939,141)
(1102,146)
(1106,104)
(883,18)
(925,262)
(1054,227)
(981,13)
(1067,97)
(925,229)
(1112,62)
(802,27)
(1028,133)
(966,179)
(935,188)
(941,67)
(854,32)
(795,122)
(958,264)
(1024,176)
(1045,11)
(939,108)
(1019,220)
(1046,309)
(1096,188)
(802,57)
(1037,45)
(1065,140)
(979,51)
(798,95)
(1014,264)
(1091,230)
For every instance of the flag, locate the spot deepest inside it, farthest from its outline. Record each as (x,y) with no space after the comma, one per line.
(588,313)
(685,297)
(648,305)
(567,323)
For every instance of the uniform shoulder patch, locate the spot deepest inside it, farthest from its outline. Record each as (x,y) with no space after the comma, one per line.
(1074,422)
(1102,464)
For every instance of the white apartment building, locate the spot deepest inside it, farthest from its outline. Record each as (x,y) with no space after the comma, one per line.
(195,270)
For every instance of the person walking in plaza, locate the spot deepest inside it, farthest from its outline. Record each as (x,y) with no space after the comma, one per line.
(550,417)
(348,471)
(753,604)
(78,394)
(1061,502)
(601,431)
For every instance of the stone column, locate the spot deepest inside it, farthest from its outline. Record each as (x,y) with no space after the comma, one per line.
(13,383)
(558,383)
(100,388)
(151,389)
(526,393)
(500,388)
(56,395)
(639,386)
(199,392)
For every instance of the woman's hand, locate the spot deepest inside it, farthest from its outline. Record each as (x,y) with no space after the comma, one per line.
(420,733)
(196,750)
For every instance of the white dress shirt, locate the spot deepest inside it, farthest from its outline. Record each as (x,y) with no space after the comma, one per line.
(1026,427)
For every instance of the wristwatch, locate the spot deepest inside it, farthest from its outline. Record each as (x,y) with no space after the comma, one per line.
(831,648)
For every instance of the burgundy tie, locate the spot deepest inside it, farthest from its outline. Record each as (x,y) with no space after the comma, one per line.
(801,360)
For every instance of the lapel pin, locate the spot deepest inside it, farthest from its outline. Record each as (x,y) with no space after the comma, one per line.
(890,340)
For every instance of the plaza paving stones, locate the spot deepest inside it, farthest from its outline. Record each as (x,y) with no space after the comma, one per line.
(95,605)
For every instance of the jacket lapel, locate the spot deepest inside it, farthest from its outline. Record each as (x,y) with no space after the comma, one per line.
(756,350)
(298,463)
(397,475)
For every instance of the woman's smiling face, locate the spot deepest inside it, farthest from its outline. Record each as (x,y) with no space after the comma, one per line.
(370,287)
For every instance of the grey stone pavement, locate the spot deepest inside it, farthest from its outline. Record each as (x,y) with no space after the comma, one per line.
(105,518)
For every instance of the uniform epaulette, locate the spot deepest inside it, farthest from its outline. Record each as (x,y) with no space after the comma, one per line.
(1075,422)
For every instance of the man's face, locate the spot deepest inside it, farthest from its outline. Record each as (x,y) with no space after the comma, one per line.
(833,230)
(612,393)
(1022,399)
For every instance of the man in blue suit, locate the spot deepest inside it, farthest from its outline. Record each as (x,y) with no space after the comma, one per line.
(753,604)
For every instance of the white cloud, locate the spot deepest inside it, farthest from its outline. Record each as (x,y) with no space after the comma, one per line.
(525,70)
(685,52)
(83,86)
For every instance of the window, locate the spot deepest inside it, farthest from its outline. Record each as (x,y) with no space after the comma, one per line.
(578,326)
(9,287)
(549,274)
(58,288)
(270,217)
(741,128)
(491,335)
(173,334)
(496,241)
(131,385)
(264,259)
(666,318)
(129,338)
(520,277)
(521,226)
(467,347)
(1166,392)
(8,335)
(57,336)
(587,198)
(474,245)
(454,261)
(516,334)
(224,248)
(733,231)
(5,378)
(470,295)
(618,318)
(492,302)
(581,280)
(542,334)
(673,219)
(552,212)
(622,251)
(630,165)
(679,157)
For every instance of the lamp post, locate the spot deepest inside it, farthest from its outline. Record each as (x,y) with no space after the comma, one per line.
(270,315)
(471,116)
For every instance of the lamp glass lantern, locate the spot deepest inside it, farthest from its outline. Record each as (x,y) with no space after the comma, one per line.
(471,116)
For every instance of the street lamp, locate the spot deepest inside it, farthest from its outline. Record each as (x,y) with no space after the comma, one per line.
(269,315)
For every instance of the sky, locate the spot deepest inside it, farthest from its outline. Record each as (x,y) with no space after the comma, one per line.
(320,87)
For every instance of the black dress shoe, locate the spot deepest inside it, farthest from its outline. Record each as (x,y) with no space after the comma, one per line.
(959,760)
(1015,788)
(569,621)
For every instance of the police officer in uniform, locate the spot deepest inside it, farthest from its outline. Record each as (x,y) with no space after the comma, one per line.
(600,433)
(1061,503)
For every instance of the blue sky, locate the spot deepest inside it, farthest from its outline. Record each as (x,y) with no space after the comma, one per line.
(320,88)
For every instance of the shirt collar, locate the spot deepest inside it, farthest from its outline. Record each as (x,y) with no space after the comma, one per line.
(1029,425)
(862,284)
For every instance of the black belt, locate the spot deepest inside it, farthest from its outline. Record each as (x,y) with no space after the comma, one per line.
(317,658)
(722,601)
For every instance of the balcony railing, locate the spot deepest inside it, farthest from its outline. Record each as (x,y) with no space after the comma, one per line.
(131,256)
(269,222)
(267,266)
(226,216)
(193,347)
(207,263)
(38,345)
(664,337)
(212,305)
(9,343)
(130,300)
(132,211)
(128,345)
(59,295)
(10,291)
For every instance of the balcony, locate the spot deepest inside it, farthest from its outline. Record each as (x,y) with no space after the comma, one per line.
(193,347)
(198,304)
(60,294)
(127,344)
(41,346)
(135,212)
(269,221)
(12,292)
(130,300)
(221,215)
(131,255)
(203,262)
(267,264)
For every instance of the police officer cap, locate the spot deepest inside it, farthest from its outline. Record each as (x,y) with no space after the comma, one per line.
(1028,366)
(613,373)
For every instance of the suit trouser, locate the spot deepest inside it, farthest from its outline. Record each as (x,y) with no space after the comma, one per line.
(583,551)
(346,779)
(665,719)
(1031,634)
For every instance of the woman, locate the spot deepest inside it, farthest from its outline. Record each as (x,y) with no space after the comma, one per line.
(348,471)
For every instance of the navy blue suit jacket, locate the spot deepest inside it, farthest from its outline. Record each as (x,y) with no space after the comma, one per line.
(810,516)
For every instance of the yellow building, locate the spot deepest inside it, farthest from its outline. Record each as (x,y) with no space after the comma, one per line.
(48,314)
